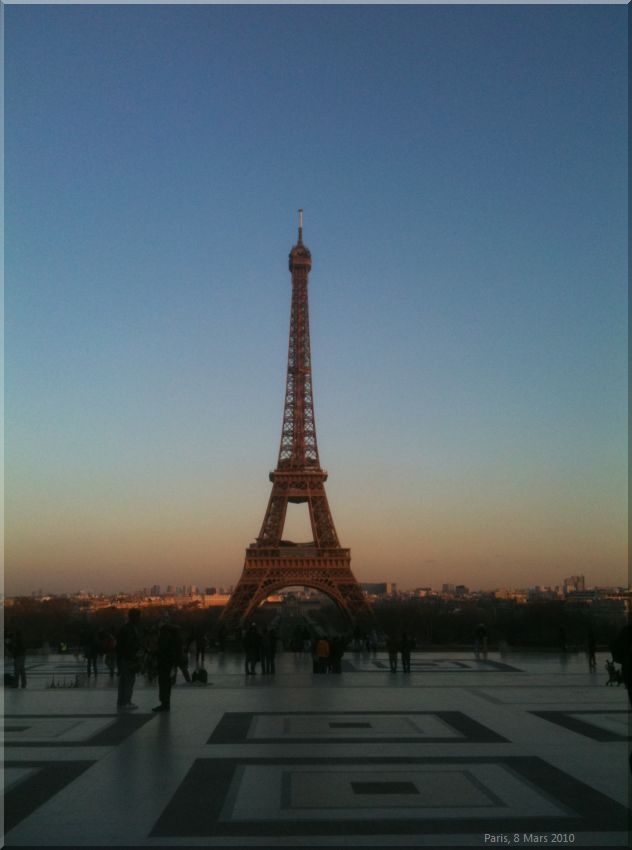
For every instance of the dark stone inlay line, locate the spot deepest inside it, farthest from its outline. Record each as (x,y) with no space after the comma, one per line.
(16,728)
(123,726)
(35,790)
(350,726)
(234,726)
(196,807)
(384,788)
(477,665)
(584,727)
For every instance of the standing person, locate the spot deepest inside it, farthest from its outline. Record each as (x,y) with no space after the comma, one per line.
(321,652)
(480,641)
(18,649)
(268,651)
(128,648)
(591,649)
(168,656)
(621,650)
(405,646)
(91,651)
(391,646)
(200,648)
(252,647)
(109,652)
(336,651)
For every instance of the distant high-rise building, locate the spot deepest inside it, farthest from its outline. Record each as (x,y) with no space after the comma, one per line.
(574,583)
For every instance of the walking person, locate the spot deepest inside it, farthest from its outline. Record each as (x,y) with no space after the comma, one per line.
(168,657)
(128,648)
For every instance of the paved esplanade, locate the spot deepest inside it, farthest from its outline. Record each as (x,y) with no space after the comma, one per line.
(457,753)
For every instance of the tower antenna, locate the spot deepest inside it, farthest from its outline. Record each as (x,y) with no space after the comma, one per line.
(300,225)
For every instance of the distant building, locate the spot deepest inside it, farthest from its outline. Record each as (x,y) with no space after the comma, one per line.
(574,583)
(376,588)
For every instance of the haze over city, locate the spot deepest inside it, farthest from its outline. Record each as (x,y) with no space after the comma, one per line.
(462,172)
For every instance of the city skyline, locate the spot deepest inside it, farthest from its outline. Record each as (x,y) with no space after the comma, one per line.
(462,172)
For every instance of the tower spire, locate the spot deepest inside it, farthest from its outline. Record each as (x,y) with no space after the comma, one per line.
(300,227)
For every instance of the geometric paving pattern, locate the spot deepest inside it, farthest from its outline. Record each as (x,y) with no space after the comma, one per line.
(70,730)
(369,727)
(439,665)
(419,759)
(233,797)
(604,725)
(28,785)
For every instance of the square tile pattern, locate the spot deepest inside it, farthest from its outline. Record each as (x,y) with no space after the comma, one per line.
(68,730)
(259,776)
(267,797)
(371,727)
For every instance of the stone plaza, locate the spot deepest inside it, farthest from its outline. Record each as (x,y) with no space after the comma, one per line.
(517,749)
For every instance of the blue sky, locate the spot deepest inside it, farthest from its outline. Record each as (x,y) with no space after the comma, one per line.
(463,176)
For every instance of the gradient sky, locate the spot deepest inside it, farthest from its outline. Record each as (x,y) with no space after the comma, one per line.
(463,175)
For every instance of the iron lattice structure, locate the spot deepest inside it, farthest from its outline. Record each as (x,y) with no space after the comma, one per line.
(272,562)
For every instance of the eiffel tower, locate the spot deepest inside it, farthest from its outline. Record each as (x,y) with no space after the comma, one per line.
(272,562)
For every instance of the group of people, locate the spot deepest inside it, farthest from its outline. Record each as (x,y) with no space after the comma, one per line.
(167,657)
(96,644)
(399,646)
(260,647)
(327,654)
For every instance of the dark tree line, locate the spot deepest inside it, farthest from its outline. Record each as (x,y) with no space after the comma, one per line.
(430,622)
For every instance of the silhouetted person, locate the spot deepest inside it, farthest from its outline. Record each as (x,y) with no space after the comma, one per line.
(562,635)
(128,648)
(321,655)
(268,651)
(336,651)
(480,641)
(252,648)
(109,652)
(168,656)
(392,647)
(18,650)
(621,649)
(591,649)
(91,651)
(200,648)
(182,663)
(405,645)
